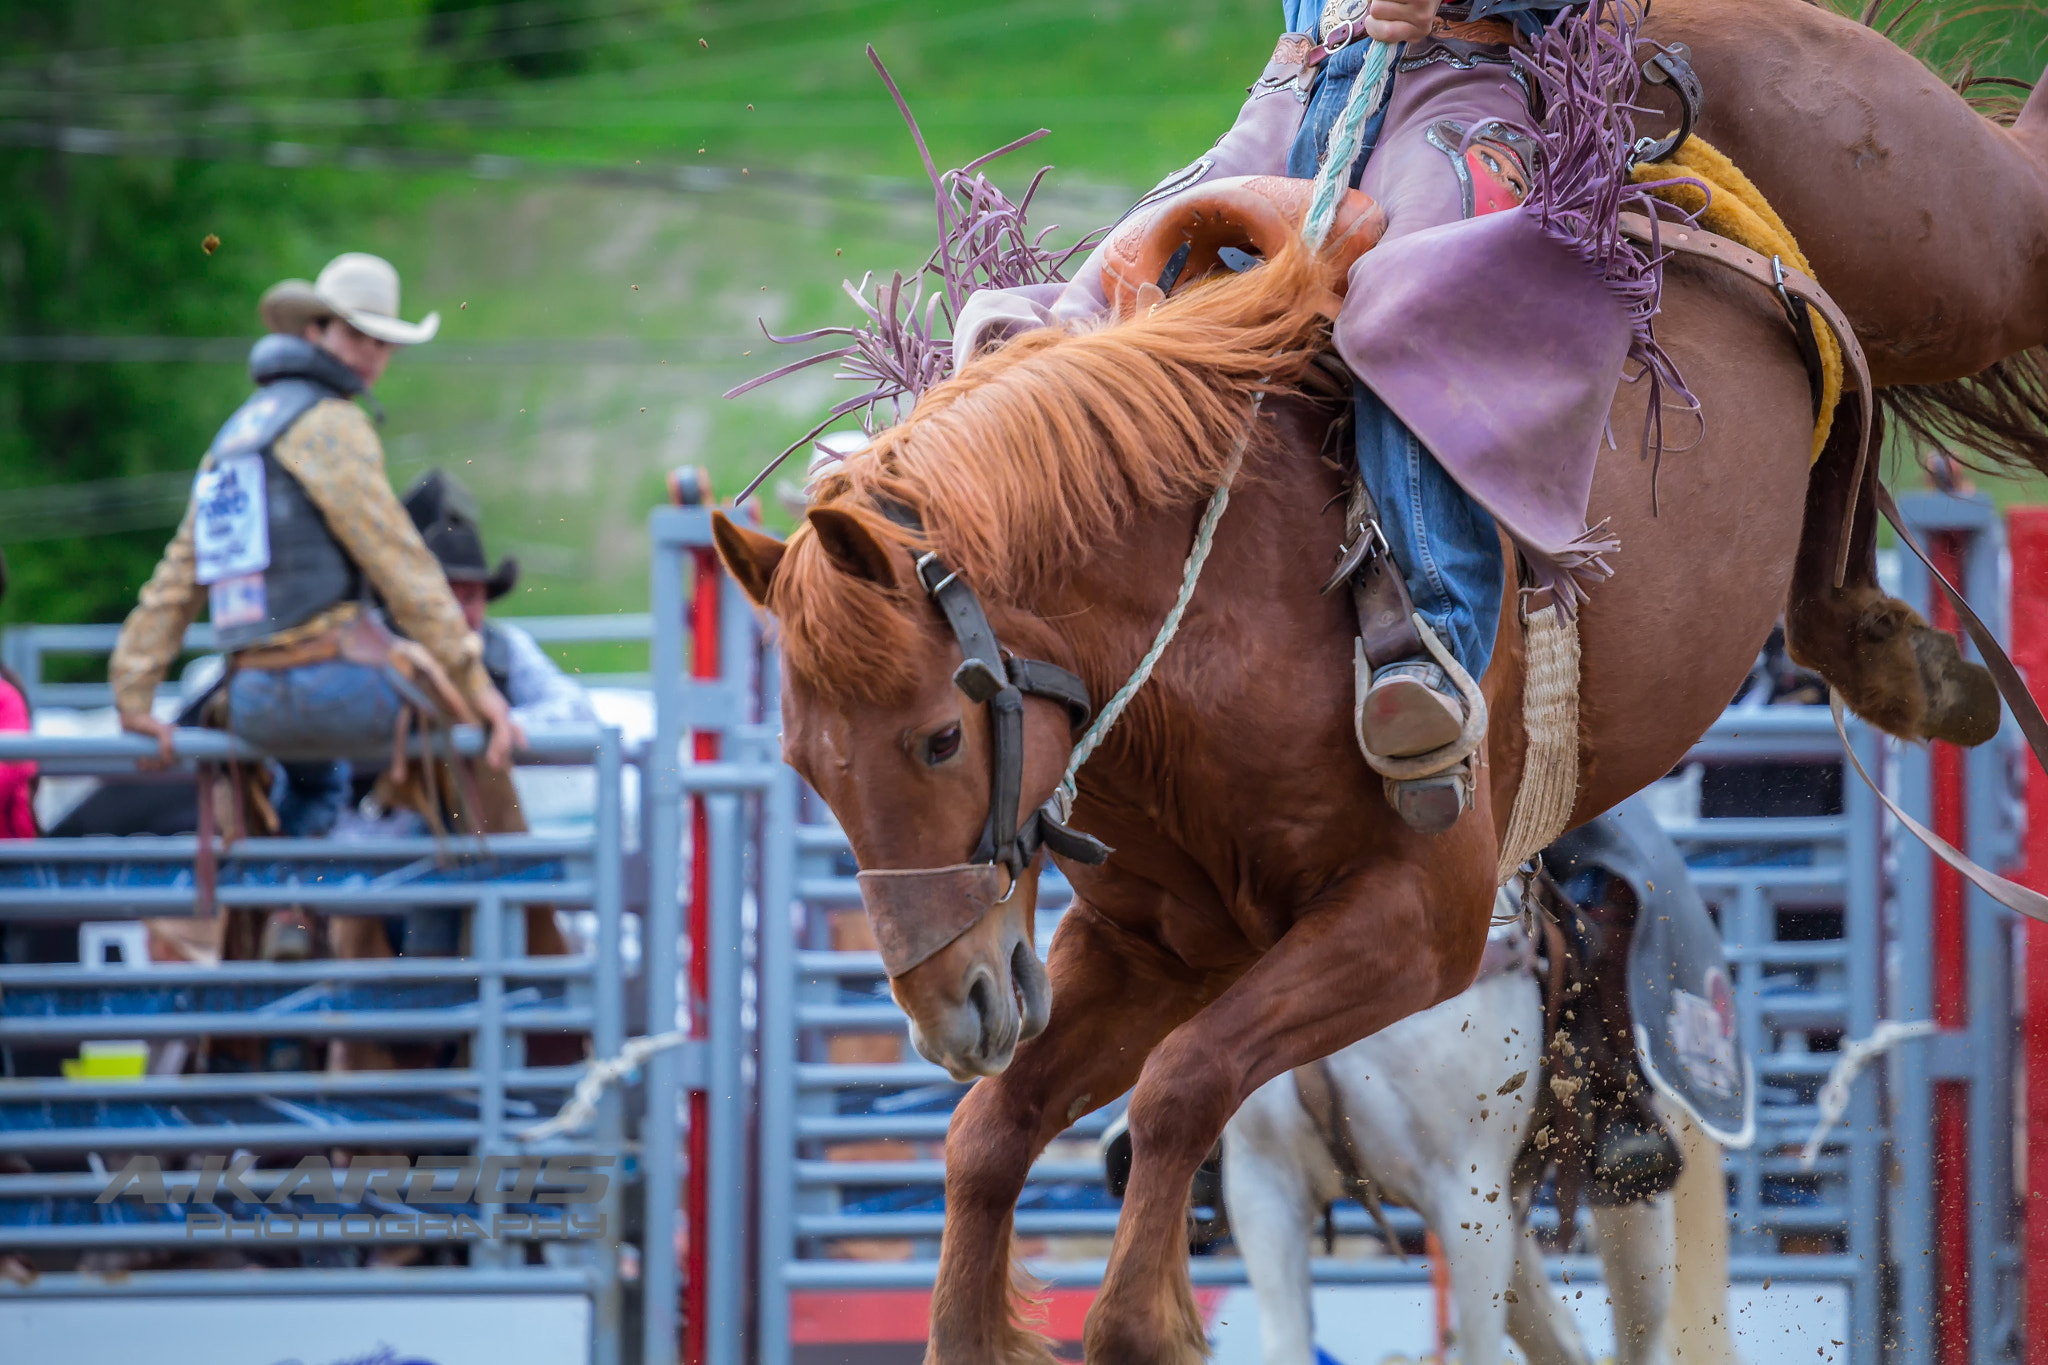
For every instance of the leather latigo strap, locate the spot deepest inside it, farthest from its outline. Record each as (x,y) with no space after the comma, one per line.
(1386,615)
(917,911)
(1775,275)
(1316,1089)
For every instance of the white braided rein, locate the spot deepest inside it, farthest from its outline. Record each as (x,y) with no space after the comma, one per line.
(1347,137)
(1062,803)
(597,1075)
(1856,1054)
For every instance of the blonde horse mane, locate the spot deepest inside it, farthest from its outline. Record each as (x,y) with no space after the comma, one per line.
(1039,453)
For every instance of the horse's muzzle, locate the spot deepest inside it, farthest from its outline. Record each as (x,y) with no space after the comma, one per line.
(917,911)
(969,979)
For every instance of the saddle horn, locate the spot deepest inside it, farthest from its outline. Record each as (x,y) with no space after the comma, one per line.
(1182,238)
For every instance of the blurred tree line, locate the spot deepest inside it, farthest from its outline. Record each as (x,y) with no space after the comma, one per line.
(95,245)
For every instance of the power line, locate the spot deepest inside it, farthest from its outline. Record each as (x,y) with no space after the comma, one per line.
(698,179)
(157,350)
(259,55)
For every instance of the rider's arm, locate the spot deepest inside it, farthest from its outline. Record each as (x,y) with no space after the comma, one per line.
(334,454)
(155,630)
(540,692)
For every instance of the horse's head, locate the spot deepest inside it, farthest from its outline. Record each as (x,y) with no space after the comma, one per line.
(934,747)
(936,729)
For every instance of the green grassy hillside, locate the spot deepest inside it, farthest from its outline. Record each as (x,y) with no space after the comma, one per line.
(600,197)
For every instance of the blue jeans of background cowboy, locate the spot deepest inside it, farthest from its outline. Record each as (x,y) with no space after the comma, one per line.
(1447,545)
(336,706)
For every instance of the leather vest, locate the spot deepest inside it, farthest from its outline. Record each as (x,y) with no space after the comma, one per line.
(307,570)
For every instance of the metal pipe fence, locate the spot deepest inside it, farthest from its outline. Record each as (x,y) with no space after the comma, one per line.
(62,1135)
(819,1168)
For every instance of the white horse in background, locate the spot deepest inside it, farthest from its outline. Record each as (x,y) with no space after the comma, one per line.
(1433,1130)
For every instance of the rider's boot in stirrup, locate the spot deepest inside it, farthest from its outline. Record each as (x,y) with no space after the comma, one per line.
(1411,708)
(1408,706)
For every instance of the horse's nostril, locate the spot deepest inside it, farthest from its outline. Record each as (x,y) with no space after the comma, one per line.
(982,996)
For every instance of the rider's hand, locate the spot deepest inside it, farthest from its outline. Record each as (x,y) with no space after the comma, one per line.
(505,732)
(1400,21)
(150,727)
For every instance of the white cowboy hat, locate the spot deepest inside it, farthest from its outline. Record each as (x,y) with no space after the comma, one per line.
(358,288)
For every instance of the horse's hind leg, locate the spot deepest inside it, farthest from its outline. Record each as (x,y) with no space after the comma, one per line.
(1479,1245)
(1268,1190)
(1110,1007)
(1540,1325)
(1698,1325)
(1891,667)
(1638,1250)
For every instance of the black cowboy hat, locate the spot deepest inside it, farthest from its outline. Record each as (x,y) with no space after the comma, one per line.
(447,517)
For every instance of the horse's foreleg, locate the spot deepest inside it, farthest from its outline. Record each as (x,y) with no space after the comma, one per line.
(1344,970)
(1268,1191)
(1540,1325)
(1639,1251)
(1479,1245)
(1111,1006)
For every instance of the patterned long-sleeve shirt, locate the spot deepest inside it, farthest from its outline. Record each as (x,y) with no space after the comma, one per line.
(334,453)
(538,691)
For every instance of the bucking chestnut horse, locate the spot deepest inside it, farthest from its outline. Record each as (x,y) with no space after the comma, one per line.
(1263,906)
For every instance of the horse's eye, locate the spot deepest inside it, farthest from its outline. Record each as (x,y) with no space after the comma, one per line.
(942,745)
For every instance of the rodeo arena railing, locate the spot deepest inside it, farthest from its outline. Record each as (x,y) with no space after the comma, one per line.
(775,1150)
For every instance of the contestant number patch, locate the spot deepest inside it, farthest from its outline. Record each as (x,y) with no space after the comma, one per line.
(238,601)
(230,522)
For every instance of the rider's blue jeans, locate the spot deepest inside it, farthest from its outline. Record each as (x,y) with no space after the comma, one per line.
(1447,545)
(332,706)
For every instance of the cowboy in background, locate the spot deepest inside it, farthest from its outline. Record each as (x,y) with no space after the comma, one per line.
(540,693)
(291,529)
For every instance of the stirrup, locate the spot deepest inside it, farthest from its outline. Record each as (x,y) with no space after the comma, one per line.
(1431,805)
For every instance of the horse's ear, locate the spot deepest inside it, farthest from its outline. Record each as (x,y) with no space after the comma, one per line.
(850,545)
(750,557)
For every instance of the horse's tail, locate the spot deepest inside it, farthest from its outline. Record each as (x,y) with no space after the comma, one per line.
(1698,1320)
(1924,31)
(1995,420)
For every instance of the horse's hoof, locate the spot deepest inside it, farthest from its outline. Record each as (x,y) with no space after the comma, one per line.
(1431,805)
(1962,700)
(1633,1159)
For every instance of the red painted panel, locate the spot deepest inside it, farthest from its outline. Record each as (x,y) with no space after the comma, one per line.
(1950,971)
(2028,533)
(868,1316)
(704,663)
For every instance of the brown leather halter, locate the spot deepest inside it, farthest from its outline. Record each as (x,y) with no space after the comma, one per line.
(917,911)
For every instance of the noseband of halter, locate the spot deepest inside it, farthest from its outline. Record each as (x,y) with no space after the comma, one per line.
(917,911)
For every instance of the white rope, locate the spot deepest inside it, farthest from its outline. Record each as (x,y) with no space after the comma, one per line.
(1856,1055)
(1062,803)
(597,1075)
(1347,137)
